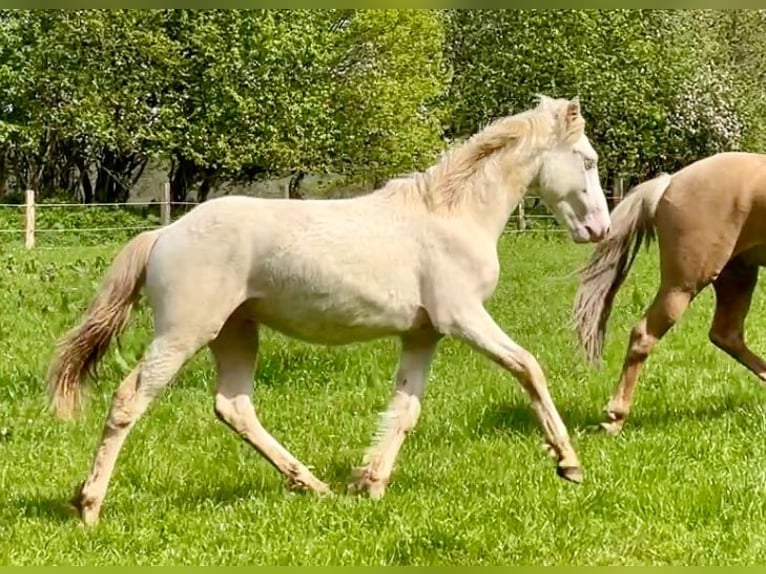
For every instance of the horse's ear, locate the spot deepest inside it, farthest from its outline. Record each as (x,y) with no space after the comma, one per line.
(573,108)
(543,101)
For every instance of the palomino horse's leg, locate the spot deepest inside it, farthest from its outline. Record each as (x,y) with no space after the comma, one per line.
(162,360)
(479,330)
(400,418)
(235,351)
(734,290)
(665,310)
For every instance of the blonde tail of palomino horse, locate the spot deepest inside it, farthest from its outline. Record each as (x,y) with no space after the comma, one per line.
(415,260)
(632,225)
(710,222)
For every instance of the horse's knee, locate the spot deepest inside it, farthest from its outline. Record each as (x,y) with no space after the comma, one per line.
(232,411)
(641,343)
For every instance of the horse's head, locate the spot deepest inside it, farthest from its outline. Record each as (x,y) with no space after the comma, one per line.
(568,180)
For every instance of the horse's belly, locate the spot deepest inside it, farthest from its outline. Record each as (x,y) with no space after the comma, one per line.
(755,256)
(320,321)
(334,290)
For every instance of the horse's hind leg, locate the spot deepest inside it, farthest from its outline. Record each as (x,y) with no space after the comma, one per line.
(235,350)
(668,306)
(401,416)
(182,326)
(162,360)
(734,290)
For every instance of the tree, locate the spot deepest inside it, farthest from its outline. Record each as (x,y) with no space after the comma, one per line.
(274,92)
(632,72)
(78,90)
(388,66)
(722,103)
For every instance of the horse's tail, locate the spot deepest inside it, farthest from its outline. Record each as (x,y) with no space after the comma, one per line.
(610,262)
(80,350)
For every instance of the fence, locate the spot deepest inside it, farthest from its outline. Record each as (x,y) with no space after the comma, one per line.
(30,228)
(524,220)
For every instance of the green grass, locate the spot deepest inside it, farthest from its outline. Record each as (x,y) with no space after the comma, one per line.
(682,485)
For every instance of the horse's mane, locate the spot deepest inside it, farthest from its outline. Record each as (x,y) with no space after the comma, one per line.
(444,186)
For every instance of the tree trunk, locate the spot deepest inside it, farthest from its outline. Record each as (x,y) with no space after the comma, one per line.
(294,191)
(3,175)
(209,179)
(85,183)
(117,174)
(182,175)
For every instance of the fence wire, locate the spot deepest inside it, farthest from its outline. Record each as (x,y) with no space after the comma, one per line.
(514,226)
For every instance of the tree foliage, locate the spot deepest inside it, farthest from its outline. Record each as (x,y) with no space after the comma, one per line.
(659,88)
(88,97)
(218,93)
(76,91)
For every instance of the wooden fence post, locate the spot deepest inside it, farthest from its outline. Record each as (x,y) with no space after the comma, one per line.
(618,190)
(165,205)
(522,220)
(29,240)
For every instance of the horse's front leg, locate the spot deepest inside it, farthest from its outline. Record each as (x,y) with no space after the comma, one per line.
(400,417)
(474,325)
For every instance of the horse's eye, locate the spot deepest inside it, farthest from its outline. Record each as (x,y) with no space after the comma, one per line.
(589,163)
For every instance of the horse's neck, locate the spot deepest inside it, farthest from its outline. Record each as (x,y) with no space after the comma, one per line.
(495,197)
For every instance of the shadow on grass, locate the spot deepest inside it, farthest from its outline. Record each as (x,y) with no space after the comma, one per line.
(228,493)
(506,418)
(55,509)
(668,415)
(520,418)
(224,493)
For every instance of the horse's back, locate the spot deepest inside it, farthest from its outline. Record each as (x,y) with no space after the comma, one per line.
(712,189)
(718,173)
(713,209)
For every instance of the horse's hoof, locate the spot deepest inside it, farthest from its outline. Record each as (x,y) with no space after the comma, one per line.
(549,450)
(376,490)
(89,510)
(90,516)
(311,485)
(570,473)
(611,428)
(364,483)
(323,491)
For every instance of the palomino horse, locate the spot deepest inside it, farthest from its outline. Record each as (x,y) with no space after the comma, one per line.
(709,219)
(416,259)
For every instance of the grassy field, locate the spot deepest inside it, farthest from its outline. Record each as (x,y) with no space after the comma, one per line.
(682,485)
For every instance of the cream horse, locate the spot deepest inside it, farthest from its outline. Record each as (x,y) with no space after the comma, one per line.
(416,259)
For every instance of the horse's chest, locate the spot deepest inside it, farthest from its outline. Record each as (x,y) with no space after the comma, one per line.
(486,276)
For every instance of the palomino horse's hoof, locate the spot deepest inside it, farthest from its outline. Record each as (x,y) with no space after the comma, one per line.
(570,473)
